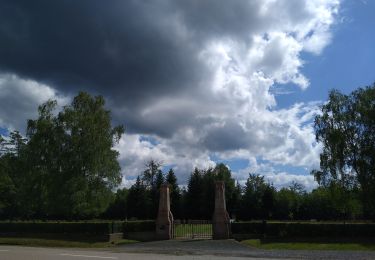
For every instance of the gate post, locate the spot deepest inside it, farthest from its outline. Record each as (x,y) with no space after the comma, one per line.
(220,220)
(164,220)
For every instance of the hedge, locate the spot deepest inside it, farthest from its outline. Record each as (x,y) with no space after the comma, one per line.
(61,227)
(103,227)
(293,229)
(139,226)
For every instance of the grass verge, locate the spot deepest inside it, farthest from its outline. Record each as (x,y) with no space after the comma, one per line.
(47,242)
(310,245)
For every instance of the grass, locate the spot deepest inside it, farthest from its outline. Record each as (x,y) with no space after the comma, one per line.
(54,242)
(363,244)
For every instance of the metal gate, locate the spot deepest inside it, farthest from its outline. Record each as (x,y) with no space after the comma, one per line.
(192,229)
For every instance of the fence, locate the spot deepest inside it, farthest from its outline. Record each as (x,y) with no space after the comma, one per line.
(192,229)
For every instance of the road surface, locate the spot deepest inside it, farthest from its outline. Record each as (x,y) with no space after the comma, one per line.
(33,253)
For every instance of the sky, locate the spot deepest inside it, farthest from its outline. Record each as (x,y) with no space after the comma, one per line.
(195,82)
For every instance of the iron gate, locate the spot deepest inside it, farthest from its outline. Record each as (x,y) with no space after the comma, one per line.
(192,229)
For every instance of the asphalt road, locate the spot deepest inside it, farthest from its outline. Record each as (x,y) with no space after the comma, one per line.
(33,253)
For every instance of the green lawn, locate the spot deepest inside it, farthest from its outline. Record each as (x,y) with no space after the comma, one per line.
(50,242)
(312,245)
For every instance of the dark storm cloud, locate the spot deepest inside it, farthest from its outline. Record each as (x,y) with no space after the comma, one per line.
(133,52)
(179,70)
(124,49)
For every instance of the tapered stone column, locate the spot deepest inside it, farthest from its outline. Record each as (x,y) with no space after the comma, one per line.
(220,220)
(164,220)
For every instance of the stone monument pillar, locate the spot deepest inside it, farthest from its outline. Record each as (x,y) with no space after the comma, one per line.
(164,221)
(220,220)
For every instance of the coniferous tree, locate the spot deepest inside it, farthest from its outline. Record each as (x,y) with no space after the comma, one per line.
(194,195)
(138,201)
(153,178)
(175,195)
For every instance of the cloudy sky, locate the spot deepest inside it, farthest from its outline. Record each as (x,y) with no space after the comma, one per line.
(195,82)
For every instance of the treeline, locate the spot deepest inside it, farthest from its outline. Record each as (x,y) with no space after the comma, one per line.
(256,199)
(346,129)
(66,168)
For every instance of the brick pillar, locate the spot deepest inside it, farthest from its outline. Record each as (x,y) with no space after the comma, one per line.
(164,220)
(220,220)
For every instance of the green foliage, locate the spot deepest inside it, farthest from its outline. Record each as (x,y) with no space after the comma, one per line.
(200,194)
(138,201)
(67,168)
(151,175)
(346,128)
(153,178)
(118,207)
(12,163)
(7,189)
(258,198)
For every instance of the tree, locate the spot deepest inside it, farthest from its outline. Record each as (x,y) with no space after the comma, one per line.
(138,201)
(2,145)
(8,189)
(45,161)
(153,178)
(235,202)
(288,202)
(12,181)
(194,195)
(258,198)
(72,165)
(118,207)
(201,191)
(268,201)
(175,194)
(150,174)
(346,128)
